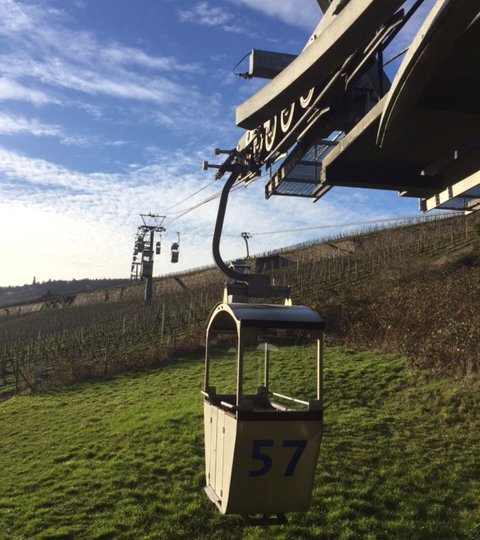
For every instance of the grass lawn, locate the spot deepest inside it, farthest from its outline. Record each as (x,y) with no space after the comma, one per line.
(123,458)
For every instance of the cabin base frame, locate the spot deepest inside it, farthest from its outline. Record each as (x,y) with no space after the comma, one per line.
(263,464)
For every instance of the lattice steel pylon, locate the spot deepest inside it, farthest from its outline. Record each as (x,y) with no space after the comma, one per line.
(143,251)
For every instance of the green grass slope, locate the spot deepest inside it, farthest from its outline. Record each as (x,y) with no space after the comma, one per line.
(123,458)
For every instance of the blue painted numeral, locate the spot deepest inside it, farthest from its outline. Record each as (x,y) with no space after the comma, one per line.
(266,460)
(299,448)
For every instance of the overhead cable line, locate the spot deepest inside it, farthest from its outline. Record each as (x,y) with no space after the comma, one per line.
(332,225)
(339,225)
(213,197)
(190,196)
(237,185)
(178,213)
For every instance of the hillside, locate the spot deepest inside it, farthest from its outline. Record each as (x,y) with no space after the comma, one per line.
(395,290)
(123,458)
(38,293)
(366,242)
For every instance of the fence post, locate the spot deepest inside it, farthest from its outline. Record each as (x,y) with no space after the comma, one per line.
(162,328)
(17,374)
(105,365)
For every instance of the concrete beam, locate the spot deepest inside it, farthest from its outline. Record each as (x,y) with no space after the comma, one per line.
(436,73)
(357,162)
(456,190)
(422,186)
(345,34)
(368,122)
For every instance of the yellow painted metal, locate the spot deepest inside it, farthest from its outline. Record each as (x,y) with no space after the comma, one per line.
(238,451)
(260,456)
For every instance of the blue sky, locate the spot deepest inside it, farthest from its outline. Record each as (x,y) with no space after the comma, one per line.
(108,108)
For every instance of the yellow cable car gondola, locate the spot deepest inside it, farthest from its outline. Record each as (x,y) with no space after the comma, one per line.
(261,450)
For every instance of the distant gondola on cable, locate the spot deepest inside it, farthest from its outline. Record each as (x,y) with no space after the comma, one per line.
(175,250)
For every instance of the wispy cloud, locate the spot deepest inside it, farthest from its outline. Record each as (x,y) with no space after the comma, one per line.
(20,125)
(45,61)
(14,125)
(303,14)
(41,49)
(11,90)
(79,77)
(20,172)
(206,14)
(15,167)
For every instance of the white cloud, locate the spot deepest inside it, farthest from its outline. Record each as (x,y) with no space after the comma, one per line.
(116,83)
(19,125)
(40,47)
(13,91)
(205,14)
(59,246)
(41,173)
(40,31)
(301,13)
(13,125)
(121,55)
(44,61)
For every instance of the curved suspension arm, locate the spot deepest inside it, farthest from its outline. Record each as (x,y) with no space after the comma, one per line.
(237,276)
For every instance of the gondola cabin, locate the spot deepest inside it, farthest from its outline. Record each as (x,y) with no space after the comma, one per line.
(175,252)
(262,443)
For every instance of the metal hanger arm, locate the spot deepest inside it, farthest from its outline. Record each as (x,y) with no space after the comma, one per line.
(222,207)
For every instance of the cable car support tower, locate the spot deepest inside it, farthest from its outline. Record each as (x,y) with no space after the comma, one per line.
(144,246)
